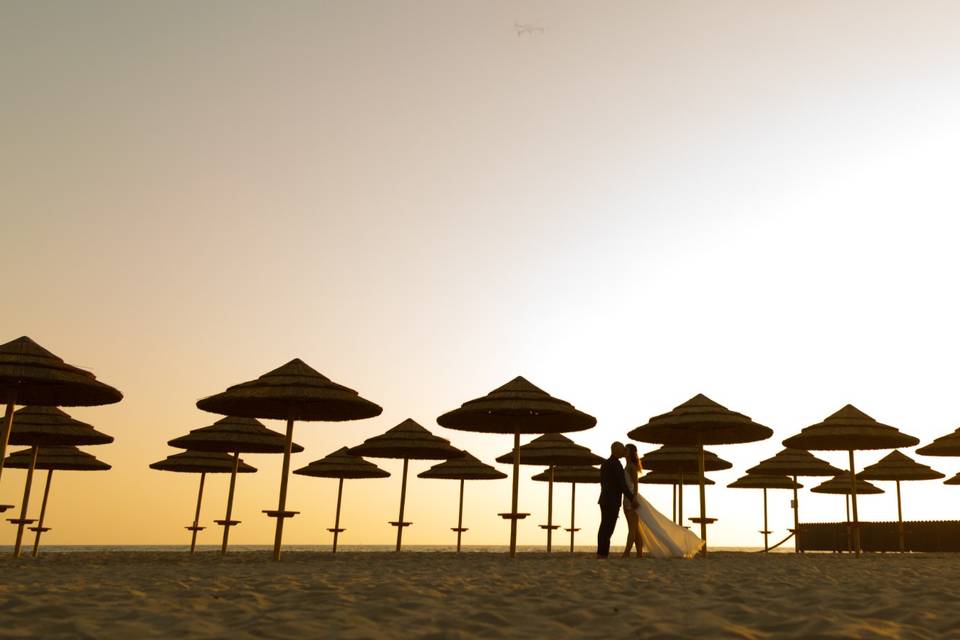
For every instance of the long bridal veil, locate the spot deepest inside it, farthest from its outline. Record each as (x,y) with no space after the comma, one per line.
(661,537)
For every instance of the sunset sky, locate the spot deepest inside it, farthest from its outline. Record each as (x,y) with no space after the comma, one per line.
(753,200)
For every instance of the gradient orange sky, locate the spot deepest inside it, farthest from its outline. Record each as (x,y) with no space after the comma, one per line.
(752,200)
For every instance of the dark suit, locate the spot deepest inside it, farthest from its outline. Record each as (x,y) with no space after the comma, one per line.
(613,486)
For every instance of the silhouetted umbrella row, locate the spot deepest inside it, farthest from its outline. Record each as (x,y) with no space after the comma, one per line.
(582,474)
(463,468)
(760,481)
(683,463)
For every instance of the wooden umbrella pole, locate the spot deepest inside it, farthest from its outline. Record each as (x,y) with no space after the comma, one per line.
(846,501)
(680,501)
(43,513)
(766,534)
(282,504)
(403,498)
(336,522)
(703,499)
(550,513)
(460,516)
(853,502)
(673,502)
(22,522)
(900,518)
(573,512)
(5,436)
(196,517)
(796,518)
(516,491)
(233,483)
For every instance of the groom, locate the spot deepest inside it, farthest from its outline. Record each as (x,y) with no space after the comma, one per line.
(613,485)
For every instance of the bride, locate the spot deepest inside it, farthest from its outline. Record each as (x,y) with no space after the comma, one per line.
(649,528)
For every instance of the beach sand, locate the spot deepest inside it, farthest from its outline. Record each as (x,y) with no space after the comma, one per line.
(476,595)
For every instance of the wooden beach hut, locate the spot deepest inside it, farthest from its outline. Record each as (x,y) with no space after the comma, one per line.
(233,435)
(292,392)
(517,407)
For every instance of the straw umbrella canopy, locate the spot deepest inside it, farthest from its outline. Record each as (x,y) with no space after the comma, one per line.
(341,464)
(580,474)
(31,375)
(682,461)
(850,429)
(698,422)
(517,407)
(758,481)
(948,445)
(55,458)
(202,462)
(552,450)
(292,392)
(39,427)
(896,466)
(954,480)
(407,441)
(843,485)
(464,468)
(795,463)
(233,435)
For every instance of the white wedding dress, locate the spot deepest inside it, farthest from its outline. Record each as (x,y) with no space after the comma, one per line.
(662,538)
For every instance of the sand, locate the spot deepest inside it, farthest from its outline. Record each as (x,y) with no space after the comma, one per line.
(476,595)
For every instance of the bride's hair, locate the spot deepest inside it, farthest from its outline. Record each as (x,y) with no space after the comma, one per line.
(632,456)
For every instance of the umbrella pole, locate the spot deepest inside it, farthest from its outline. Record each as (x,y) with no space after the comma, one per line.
(7,428)
(846,500)
(766,534)
(336,522)
(282,506)
(43,512)
(22,521)
(550,513)
(460,516)
(227,521)
(680,501)
(853,501)
(703,499)
(516,491)
(573,512)
(900,518)
(673,502)
(403,498)
(796,518)
(196,517)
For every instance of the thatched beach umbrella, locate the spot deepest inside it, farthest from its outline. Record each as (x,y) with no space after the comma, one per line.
(517,407)
(698,422)
(464,468)
(580,474)
(758,481)
(406,441)
(341,464)
(233,435)
(795,463)
(552,450)
(678,482)
(954,480)
(684,462)
(850,429)
(844,485)
(31,375)
(40,427)
(291,392)
(202,462)
(896,466)
(947,446)
(57,458)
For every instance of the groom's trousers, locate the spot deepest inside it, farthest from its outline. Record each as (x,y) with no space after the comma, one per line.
(608,522)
